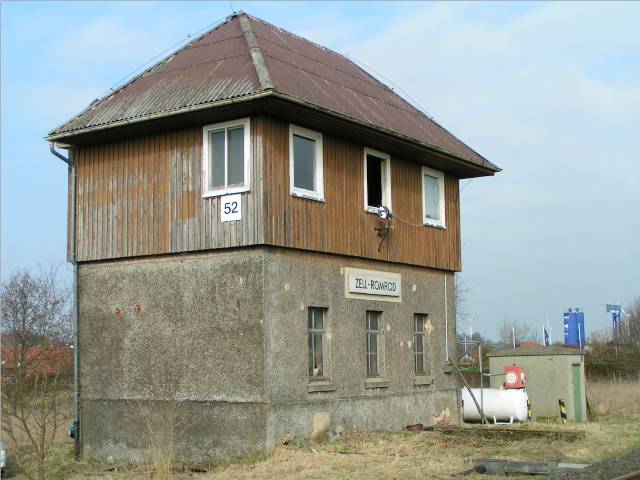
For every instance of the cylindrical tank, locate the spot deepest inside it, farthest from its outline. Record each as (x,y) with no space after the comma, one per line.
(498,403)
(574,328)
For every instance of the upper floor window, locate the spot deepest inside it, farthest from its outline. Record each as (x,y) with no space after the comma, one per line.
(305,163)
(433,197)
(377,180)
(226,157)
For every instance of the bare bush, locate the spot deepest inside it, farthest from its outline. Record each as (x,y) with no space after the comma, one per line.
(37,363)
(509,329)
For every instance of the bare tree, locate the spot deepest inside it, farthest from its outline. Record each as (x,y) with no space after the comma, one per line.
(629,330)
(37,362)
(510,328)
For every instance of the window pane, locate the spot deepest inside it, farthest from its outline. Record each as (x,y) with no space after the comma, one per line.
(372,343)
(216,159)
(374,181)
(372,364)
(311,354)
(417,343)
(432,197)
(317,359)
(304,153)
(372,320)
(419,363)
(236,156)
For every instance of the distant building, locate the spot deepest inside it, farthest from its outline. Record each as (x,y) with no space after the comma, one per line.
(232,255)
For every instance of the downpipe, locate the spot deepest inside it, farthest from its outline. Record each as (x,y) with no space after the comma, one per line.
(76,313)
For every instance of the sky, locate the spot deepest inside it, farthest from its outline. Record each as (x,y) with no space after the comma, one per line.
(550,92)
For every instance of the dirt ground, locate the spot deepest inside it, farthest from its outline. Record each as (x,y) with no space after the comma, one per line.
(384,455)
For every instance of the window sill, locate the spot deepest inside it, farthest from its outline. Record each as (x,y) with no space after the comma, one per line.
(434,225)
(321,386)
(423,380)
(227,191)
(307,196)
(376,382)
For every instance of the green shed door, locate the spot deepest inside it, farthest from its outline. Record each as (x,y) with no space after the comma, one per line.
(577,390)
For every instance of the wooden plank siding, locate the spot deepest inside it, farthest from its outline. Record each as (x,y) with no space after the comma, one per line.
(340,224)
(143,196)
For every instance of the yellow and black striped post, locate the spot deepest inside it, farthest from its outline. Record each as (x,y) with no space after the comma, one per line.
(563,412)
(529,409)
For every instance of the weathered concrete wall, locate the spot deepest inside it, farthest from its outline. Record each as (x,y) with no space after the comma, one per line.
(296,280)
(188,329)
(211,350)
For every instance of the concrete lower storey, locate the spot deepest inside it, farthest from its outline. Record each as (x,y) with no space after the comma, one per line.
(200,432)
(210,355)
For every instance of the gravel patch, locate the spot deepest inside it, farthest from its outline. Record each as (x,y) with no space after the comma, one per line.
(606,470)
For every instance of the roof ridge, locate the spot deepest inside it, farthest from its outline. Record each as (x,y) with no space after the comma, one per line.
(257,57)
(378,83)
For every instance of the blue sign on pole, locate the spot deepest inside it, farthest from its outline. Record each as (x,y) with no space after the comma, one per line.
(612,307)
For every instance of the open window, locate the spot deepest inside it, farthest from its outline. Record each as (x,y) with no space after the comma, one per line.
(226,158)
(305,163)
(377,180)
(433,207)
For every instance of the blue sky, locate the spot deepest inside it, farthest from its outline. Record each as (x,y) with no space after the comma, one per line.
(548,91)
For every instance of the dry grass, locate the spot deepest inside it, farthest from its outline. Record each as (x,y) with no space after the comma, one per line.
(404,455)
(425,455)
(613,397)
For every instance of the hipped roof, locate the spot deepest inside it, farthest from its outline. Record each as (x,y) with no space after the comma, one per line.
(245,58)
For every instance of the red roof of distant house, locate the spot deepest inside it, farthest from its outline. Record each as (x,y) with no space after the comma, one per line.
(530,345)
(229,63)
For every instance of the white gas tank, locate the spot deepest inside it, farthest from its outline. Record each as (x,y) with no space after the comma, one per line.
(501,404)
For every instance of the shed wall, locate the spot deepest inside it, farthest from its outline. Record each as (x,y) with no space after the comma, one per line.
(549,378)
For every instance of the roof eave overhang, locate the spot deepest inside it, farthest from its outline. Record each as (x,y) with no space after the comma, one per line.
(293,109)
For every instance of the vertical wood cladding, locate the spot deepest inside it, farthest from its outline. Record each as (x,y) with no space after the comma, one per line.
(143,196)
(340,224)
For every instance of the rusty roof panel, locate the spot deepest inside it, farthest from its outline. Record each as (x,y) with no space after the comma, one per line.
(318,75)
(220,66)
(217,66)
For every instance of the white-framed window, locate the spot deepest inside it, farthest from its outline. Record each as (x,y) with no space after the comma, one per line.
(306,163)
(377,180)
(226,158)
(433,197)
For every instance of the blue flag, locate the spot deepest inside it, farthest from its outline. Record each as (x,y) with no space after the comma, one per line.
(547,339)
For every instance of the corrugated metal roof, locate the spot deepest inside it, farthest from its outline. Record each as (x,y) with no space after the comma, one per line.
(220,66)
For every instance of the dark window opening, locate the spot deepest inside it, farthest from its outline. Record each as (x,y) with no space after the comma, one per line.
(374,181)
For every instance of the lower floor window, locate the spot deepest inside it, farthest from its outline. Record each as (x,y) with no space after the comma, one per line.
(419,321)
(316,323)
(373,350)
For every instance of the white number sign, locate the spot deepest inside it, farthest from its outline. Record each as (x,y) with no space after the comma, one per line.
(231,208)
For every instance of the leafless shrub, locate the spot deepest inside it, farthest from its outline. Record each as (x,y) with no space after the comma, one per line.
(36,363)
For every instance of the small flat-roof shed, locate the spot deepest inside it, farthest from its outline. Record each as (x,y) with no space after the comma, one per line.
(552,373)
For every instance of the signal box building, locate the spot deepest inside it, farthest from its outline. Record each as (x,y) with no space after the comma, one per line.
(234,268)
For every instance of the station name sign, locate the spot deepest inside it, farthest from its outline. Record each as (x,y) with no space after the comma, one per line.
(364,282)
